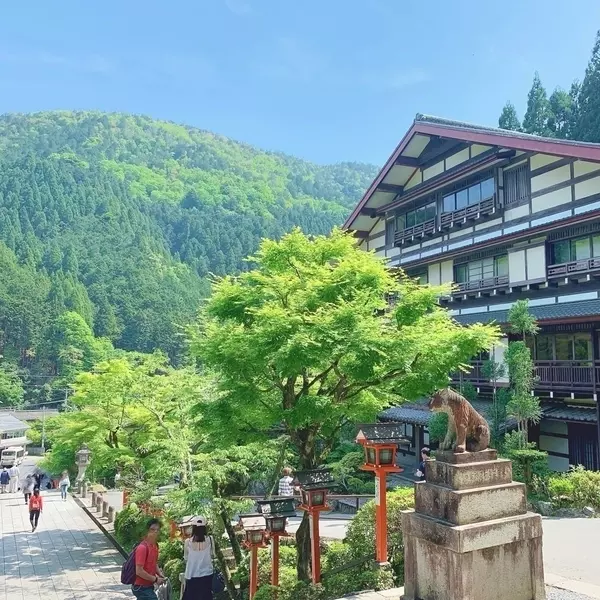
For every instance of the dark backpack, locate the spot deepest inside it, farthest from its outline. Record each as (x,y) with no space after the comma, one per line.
(128,569)
(4,477)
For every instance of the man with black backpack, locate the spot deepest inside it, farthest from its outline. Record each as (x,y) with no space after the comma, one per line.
(141,570)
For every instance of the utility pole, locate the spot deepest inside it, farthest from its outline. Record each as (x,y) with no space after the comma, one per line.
(43,429)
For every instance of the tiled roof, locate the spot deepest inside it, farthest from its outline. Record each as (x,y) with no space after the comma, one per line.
(10,423)
(583,414)
(417,413)
(583,308)
(432,119)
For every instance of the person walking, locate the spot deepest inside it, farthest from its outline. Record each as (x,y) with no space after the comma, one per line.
(147,572)
(64,484)
(13,484)
(285,483)
(36,505)
(4,480)
(198,552)
(28,486)
(420,473)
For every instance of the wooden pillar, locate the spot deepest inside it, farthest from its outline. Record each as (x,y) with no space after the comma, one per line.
(275,560)
(316,546)
(381,555)
(595,352)
(253,571)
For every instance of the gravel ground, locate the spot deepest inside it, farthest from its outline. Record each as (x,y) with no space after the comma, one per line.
(553,593)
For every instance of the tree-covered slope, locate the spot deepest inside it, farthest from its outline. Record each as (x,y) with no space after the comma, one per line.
(121,218)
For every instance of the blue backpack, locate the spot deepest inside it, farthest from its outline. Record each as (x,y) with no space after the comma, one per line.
(4,477)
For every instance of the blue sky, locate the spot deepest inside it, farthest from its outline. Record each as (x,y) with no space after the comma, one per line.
(327,80)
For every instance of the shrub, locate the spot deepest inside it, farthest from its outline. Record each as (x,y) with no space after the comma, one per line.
(586,487)
(560,490)
(361,532)
(438,426)
(469,391)
(130,526)
(529,463)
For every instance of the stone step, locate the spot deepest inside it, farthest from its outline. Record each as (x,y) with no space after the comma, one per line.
(469,475)
(462,507)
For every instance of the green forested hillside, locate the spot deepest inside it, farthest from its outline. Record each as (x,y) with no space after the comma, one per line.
(121,218)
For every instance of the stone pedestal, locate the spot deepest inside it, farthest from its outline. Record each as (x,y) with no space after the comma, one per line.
(470,536)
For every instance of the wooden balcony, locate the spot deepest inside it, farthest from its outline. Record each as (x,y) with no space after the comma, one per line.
(550,375)
(574,269)
(489,284)
(475,212)
(412,234)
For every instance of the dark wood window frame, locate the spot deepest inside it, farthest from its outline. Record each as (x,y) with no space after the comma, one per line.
(516,185)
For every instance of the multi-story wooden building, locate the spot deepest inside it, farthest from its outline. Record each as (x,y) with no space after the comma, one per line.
(504,216)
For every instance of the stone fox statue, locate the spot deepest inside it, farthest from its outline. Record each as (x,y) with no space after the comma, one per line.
(470,429)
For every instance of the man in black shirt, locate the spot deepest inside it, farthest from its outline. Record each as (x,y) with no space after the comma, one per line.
(425,453)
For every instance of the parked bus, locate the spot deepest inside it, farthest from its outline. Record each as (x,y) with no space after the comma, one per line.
(12,456)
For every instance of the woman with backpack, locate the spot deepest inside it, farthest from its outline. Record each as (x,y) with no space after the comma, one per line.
(198,552)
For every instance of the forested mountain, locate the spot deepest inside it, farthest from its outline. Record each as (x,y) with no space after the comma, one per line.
(565,115)
(120,219)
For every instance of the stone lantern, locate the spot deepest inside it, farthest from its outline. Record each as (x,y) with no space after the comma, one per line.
(83,457)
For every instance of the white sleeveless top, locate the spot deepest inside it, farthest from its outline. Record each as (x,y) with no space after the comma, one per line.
(198,558)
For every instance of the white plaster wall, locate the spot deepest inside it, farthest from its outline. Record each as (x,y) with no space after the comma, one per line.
(582,167)
(498,354)
(378,227)
(536,263)
(587,188)
(392,252)
(488,224)
(515,213)
(541,182)
(516,266)
(456,159)
(460,233)
(447,271)
(414,180)
(552,199)
(556,463)
(434,170)
(478,149)
(433,272)
(541,160)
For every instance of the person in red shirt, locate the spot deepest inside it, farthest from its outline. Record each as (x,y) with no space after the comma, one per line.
(146,564)
(36,505)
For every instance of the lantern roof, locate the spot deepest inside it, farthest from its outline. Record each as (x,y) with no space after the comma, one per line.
(278,506)
(252,521)
(382,433)
(315,479)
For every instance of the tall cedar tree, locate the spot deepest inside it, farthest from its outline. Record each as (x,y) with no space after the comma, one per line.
(509,119)
(560,119)
(588,121)
(538,109)
(304,344)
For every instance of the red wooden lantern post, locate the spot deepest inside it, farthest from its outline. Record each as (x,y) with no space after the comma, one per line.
(254,527)
(380,442)
(276,512)
(314,486)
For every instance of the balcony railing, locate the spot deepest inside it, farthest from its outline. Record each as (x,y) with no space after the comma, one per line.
(420,230)
(550,375)
(587,265)
(483,284)
(468,213)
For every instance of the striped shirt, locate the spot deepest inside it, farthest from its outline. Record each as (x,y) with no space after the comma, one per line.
(285,486)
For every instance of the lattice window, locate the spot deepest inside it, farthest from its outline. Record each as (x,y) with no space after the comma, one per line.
(516,185)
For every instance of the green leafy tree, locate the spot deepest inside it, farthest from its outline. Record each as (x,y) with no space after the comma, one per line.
(587,128)
(508,118)
(521,321)
(494,371)
(300,345)
(538,109)
(561,118)
(11,386)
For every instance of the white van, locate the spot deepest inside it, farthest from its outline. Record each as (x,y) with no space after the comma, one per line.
(12,456)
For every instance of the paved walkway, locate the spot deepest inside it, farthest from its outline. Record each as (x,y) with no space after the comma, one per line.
(67,558)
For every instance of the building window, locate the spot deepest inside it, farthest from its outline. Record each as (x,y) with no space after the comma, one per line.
(485,268)
(474,194)
(416,216)
(577,249)
(516,188)
(562,347)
